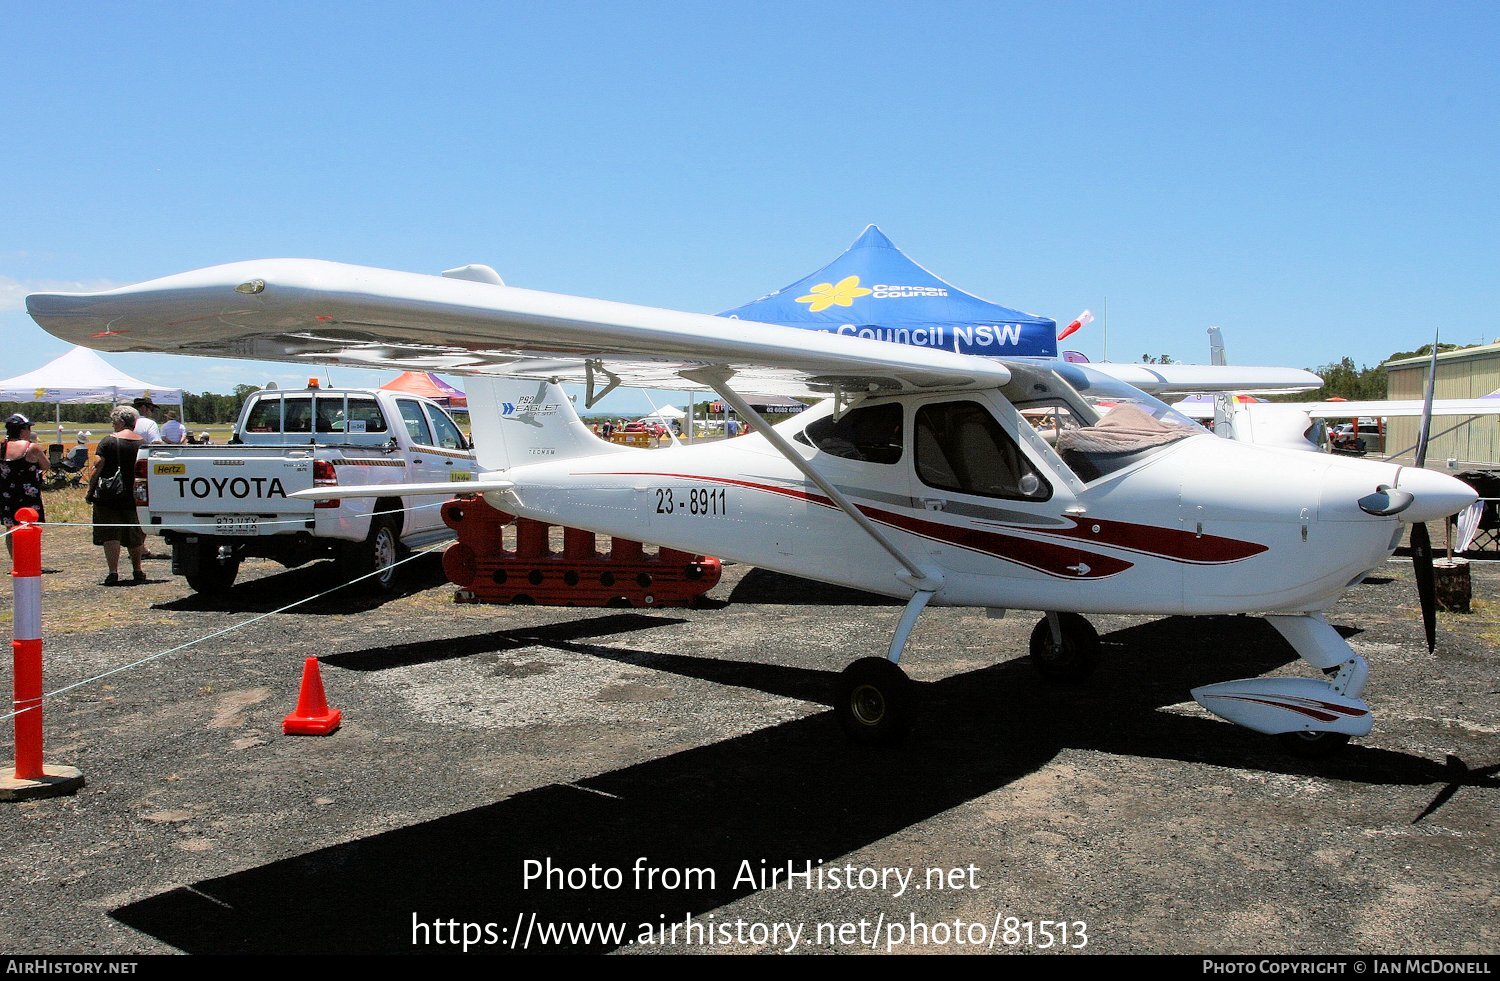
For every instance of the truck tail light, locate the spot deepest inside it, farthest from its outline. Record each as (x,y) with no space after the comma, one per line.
(324,475)
(142,494)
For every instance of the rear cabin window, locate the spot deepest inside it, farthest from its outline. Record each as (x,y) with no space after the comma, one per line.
(871,434)
(297,414)
(416,423)
(960,447)
(365,416)
(330,413)
(265,416)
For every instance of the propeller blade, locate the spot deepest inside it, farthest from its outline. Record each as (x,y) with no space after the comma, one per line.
(1426,428)
(1421,563)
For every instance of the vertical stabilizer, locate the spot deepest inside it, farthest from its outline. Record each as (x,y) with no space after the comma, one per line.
(518,421)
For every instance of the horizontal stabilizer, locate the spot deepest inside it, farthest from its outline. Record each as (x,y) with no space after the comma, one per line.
(447,488)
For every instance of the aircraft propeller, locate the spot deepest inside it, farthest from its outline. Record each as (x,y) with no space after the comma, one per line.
(1421,544)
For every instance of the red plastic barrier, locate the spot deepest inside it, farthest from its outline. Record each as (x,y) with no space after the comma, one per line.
(487,572)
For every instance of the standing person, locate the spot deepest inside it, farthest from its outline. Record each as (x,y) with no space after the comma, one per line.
(22,463)
(116,512)
(145,424)
(173,431)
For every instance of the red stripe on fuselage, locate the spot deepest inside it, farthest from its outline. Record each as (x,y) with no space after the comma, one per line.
(1062,561)
(1166,543)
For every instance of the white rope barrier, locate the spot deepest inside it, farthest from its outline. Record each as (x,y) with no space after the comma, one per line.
(231,628)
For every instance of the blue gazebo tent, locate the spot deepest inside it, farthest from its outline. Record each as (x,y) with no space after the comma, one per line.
(874,290)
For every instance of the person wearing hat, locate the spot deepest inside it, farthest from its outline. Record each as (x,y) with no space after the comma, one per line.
(78,456)
(22,463)
(173,431)
(145,425)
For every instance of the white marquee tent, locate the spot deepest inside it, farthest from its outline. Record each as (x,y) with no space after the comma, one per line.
(81,377)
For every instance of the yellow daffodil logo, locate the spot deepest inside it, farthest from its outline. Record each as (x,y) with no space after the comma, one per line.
(39,394)
(826,295)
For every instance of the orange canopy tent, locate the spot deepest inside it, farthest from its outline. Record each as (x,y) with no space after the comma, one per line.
(428,385)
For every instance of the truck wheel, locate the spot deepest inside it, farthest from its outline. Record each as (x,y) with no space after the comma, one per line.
(214,575)
(376,554)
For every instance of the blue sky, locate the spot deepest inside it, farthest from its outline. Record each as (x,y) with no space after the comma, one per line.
(1319,179)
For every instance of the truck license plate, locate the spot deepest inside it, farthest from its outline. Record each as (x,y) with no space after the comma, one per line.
(236,524)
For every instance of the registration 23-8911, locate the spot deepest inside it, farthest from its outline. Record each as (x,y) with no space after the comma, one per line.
(708,501)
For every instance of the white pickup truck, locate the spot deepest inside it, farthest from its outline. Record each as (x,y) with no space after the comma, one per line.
(219,504)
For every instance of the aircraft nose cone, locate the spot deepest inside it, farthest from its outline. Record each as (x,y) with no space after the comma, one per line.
(1437,494)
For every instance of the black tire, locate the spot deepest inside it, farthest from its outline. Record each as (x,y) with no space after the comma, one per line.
(215,575)
(377,553)
(1313,745)
(873,701)
(1075,660)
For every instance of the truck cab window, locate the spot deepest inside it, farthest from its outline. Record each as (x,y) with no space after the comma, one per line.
(872,434)
(960,447)
(448,435)
(416,423)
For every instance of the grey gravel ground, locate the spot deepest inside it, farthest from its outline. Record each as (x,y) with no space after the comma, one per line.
(477,739)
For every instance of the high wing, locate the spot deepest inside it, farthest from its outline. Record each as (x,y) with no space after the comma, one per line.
(1400,407)
(331,313)
(1350,410)
(1161,379)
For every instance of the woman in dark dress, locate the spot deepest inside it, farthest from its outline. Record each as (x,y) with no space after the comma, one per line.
(115,520)
(22,463)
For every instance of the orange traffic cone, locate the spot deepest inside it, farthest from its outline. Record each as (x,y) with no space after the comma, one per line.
(312,717)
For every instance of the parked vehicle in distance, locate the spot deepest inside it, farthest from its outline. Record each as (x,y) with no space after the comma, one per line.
(1367,436)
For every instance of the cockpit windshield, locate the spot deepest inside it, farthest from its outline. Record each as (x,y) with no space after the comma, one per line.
(1097,424)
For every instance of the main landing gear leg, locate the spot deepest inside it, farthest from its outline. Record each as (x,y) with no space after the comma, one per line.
(1311,718)
(873,698)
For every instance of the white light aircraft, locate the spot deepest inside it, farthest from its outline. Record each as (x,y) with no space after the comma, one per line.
(1297,425)
(929,476)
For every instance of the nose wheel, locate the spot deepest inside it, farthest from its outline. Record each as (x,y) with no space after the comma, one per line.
(1065,648)
(1313,745)
(873,701)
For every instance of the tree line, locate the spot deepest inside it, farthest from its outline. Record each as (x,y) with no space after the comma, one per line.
(205,407)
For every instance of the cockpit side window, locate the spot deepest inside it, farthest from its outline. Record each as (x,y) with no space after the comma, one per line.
(871,434)
(960,446)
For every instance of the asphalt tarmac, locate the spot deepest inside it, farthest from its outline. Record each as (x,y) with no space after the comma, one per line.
(519,779)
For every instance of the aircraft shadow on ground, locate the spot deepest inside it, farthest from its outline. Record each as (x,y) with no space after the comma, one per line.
(553,635)
(764,586)
(278,589)
(793,792)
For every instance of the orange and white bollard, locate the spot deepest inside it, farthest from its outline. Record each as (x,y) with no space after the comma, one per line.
(32,777)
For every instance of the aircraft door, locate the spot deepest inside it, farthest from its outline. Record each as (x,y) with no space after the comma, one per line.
(987,499)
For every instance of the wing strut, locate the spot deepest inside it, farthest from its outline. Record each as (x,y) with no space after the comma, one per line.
(717,378)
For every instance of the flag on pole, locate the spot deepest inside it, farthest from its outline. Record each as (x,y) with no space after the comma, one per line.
(1082,320)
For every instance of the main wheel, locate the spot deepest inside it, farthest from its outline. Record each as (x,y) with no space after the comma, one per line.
(1313,745)
(1076,658)
(214,575)
(873,701)
(377,554)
